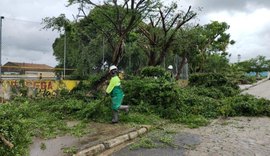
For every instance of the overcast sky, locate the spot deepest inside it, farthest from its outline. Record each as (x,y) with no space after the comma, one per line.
(249,22)
(23,39)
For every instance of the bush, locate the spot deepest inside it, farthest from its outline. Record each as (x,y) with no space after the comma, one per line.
(98,110)
(244,79)
(154,72)
(245,105)
(167,100)
(151,95)
(199,105)
(211,92)
(211,80)
(14,129)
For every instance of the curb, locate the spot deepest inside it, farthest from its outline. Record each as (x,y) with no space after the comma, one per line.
(96,149)
(255,84)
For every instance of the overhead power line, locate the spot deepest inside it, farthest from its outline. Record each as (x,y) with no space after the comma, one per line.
(23,20)
(37,68)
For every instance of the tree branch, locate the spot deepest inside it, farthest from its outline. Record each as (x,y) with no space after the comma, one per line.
(174,21)
(170,39)
(163,21)
(6,142)
(147,35)
(151,22)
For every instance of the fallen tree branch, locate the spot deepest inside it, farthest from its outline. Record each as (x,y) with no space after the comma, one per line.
(6,142)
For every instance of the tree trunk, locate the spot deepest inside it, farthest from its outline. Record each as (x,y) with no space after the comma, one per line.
(152,58)
(97,84)
(180,66)
(118,51)
(117,57)
(257,75)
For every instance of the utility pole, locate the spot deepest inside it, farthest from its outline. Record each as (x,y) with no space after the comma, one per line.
(65,51)
(1,18)
(103,50)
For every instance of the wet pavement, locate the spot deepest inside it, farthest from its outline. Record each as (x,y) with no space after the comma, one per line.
(66,145)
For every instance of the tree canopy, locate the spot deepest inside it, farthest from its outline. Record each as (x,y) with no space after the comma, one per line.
(137,33)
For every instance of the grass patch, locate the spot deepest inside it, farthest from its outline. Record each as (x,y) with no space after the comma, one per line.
(194,121)
(43,146)
(167,140)
(139,118)
(70,150)
(145,142)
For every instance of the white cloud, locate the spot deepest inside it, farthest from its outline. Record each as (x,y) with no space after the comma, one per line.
(26,41)
(249,30)
(230,5)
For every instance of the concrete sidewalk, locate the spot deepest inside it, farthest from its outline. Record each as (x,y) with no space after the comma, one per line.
(245,87)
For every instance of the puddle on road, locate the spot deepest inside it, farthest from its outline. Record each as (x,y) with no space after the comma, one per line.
(52,147)
(56,146)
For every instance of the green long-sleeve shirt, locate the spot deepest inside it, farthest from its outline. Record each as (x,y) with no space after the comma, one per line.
(115,81)
(116,92)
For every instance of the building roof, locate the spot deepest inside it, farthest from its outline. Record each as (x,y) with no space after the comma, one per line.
(28,66)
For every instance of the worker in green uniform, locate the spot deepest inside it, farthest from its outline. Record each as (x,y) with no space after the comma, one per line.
(116,92)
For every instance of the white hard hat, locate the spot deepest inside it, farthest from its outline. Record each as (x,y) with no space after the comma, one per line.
(113,67)
(170,67)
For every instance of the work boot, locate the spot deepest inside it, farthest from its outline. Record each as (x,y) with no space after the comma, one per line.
(115,117)
(124,107)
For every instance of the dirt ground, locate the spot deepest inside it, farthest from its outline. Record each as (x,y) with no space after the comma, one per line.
(243,136)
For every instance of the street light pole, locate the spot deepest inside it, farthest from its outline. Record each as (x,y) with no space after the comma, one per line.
(1,18)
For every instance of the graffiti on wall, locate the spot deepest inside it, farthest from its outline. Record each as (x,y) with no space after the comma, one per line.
(34,87)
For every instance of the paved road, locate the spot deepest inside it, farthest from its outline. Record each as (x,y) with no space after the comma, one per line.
(260,90)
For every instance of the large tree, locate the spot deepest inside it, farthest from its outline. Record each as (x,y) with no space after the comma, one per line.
(211,39)
(110,22)
(202,47)
(160,32)
(121,18)
(185,48)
